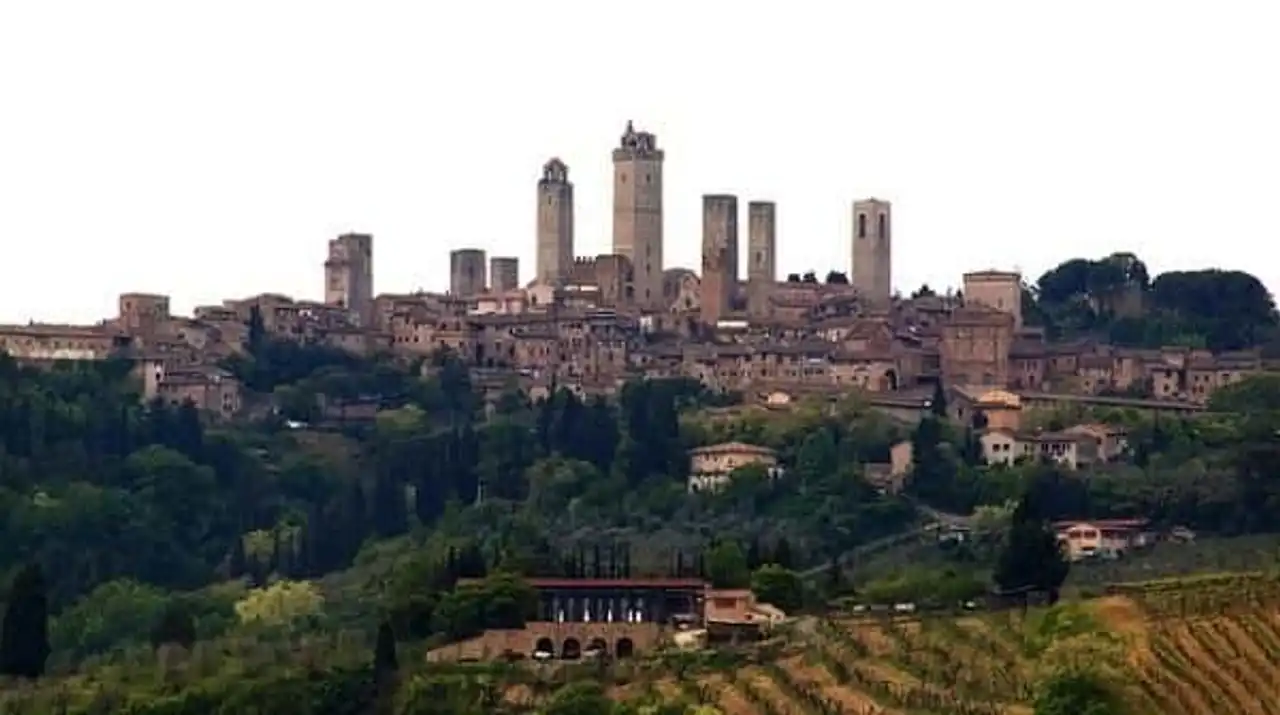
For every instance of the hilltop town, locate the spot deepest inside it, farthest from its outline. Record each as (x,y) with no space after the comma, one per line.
(591,323)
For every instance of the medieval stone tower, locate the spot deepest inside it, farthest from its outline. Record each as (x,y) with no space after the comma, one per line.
(637,212)
(762,254)
(555,223)
(467,277)
(719,256)
(504,274)
(872,251)
(348,275)
(1001,290)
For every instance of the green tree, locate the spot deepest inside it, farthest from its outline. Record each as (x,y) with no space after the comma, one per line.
(175,626)
(24,638)
(1077,693)
(1254,394)
(726,565)
(1031,558)
(580,698)
(778,586)
(938,404)
(384,652)
(115,614)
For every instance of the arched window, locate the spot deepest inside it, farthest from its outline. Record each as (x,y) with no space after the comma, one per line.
(883,228)
(862,225)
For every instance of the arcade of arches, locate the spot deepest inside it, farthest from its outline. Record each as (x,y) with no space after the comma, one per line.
(572,648)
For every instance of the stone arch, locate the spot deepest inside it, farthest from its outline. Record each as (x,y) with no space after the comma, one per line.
(625,648)
(545,645)
(572,649)
(600,645)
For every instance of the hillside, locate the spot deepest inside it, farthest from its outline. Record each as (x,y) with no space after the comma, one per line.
(1179,647)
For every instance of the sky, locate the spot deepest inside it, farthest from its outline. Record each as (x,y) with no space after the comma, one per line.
(210,150)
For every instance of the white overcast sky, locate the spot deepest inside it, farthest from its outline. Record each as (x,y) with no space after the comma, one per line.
(209,150)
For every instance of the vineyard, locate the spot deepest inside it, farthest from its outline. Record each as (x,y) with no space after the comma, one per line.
(1181,647)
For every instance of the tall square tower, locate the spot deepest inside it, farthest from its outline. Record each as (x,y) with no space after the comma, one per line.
(348,275)
(637,212)
(872,251)
(555,223)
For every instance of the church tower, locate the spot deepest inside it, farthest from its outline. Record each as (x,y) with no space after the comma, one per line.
(637,212)
(555,223)
(872,251)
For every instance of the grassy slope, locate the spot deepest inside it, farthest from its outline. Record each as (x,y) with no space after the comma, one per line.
(1220,660)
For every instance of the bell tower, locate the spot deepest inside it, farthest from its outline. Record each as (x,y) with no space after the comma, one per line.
(637,212)
(872,251)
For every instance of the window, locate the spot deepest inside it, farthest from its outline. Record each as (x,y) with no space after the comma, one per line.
(862,225)
(883,227)
(648,178)
(622,178)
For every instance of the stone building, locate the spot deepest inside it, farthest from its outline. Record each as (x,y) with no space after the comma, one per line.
(872,251)
(467,277)
(762,255)
(504,274)
(555,223)
(719,256)
(142,312)
(348,275)
(974,347)
(1001,290)
(637,212)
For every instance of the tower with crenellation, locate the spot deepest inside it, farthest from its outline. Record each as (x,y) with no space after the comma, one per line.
(555,223)
(637,212)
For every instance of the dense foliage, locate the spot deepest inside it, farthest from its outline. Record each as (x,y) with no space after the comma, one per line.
(1116,299)
(245,567)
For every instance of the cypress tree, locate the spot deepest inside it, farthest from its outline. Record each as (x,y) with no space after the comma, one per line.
(384,652)
(938,405)
(782,553)
(175,626)
(24,636)
(237,562)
